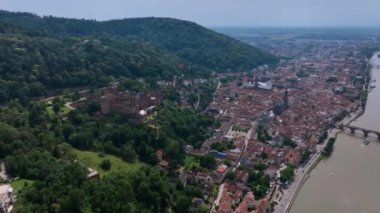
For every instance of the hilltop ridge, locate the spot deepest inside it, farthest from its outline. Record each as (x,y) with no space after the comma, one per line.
(185,39)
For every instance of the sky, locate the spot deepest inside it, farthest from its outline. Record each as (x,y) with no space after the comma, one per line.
(213,13)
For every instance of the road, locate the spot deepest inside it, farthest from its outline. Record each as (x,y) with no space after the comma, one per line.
(217,200)
(68,104)
(248,135)
(291,192)
(289,195)
(3,173)
(198,100)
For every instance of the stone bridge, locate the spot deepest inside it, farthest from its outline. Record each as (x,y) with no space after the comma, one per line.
(354,129)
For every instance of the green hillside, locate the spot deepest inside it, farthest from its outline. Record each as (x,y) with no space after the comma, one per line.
(33,63)
(188,40)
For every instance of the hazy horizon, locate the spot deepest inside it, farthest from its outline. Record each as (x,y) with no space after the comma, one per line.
(215,13)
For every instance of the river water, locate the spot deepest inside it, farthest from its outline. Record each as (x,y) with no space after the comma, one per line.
(348,181)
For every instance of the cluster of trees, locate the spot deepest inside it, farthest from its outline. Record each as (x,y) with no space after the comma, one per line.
(262,133)
(67,190)
(208,161)
(286,174)
(305,156)
(259,182)
(34,151)
(289,142)
(302,73)
(185,124)
(206,94)
(363,98)
(38,146)
(329,147)
(323,137)
(131,85)
(222,146)
(332,79)
(340,116)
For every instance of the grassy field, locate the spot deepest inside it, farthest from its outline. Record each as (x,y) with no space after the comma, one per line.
(21,183)
(191,161)
(93,160)
(64,110)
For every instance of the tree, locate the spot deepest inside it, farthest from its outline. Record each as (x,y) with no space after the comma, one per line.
(329,147)
(230,175)
(289,142)
(202,209)
(81,140)
(208,161)
(182,204)
(260,191)
(260,167)
(286,174)
(56,108)
(171,95)
(192,99)
(92,108)
(363,98)
(75,96)
(105,165)
(58,100)
(128,154)
(67,130)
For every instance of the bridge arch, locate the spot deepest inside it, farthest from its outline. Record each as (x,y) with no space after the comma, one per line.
(373,135)
(359,131)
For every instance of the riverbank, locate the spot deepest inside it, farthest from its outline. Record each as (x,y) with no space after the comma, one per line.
(302,174)
(318,157)
(352,117)
(314,161)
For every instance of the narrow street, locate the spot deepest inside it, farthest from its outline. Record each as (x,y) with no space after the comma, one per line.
(290,193)
(199,100)
(3,173)
(217,200)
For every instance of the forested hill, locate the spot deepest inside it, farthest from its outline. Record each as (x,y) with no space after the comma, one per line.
(33,63)
(187,40)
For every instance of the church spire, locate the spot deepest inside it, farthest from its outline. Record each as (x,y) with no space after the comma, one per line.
(286,98)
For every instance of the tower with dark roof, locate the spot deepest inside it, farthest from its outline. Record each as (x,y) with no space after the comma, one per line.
(285,99)
(256,82)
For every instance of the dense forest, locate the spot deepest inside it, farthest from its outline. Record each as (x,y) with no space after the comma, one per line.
(187,40)
(31,63)
(38,55)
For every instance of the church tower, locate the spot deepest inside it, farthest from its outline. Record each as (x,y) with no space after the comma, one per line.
(285,99)
(256,82)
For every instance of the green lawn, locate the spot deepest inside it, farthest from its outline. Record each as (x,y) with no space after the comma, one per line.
(150,117)
(191,161)
(93,160)
(21,183)
(64,110)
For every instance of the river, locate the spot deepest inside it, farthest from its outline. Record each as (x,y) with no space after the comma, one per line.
(349,180)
